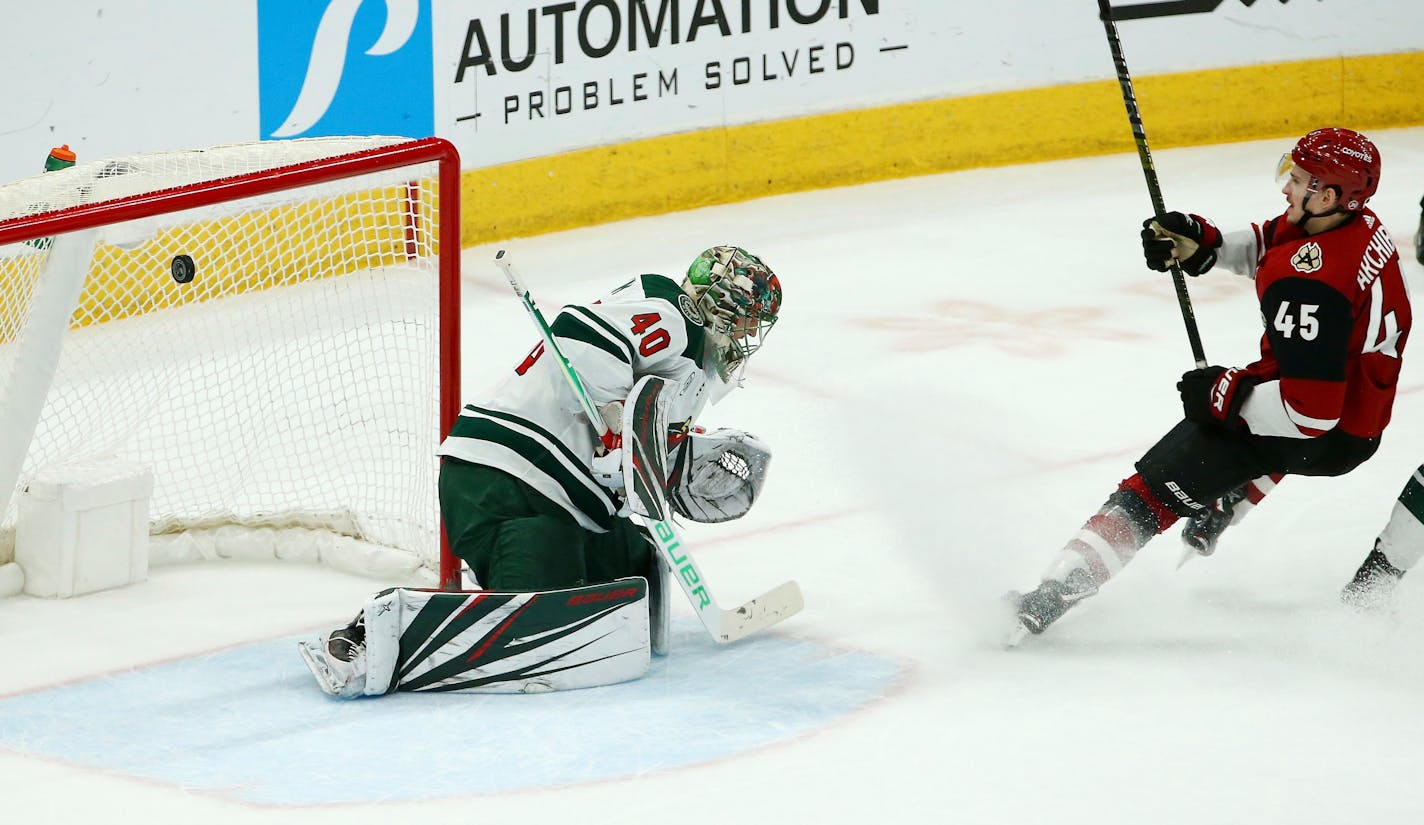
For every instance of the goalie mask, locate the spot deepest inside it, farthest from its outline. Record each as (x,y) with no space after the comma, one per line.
(740,297)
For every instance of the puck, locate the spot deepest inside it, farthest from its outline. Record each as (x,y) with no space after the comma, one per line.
(183,269)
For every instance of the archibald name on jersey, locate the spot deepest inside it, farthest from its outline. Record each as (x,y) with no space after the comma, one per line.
(1378,252)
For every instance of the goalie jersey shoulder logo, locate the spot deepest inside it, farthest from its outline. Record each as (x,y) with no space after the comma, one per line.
(690,310)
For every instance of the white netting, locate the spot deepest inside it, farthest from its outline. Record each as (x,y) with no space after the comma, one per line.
(293,382)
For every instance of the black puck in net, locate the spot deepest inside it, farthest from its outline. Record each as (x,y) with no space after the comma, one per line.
(183,269)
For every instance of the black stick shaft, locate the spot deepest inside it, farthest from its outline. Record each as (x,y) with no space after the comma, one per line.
(1154,189)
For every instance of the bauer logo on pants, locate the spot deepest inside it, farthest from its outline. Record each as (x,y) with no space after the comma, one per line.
(345,67)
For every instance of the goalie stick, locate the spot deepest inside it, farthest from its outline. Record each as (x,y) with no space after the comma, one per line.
(771,607)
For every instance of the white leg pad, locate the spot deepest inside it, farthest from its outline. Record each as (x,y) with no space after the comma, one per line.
(487,642)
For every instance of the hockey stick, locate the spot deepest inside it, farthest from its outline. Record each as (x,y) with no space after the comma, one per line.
(781,602)
(1154,189)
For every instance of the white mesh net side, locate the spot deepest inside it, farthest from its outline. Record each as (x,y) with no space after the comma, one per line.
(293,382)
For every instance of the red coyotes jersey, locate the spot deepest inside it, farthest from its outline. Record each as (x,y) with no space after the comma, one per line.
(1337,316)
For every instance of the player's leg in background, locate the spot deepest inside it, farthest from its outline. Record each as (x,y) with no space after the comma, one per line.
(1419,235)
(1397,548)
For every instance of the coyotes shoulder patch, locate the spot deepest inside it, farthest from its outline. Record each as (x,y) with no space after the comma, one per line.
(1307,259)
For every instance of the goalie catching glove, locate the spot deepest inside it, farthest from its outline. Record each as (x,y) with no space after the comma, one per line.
(717,476)
(707,477)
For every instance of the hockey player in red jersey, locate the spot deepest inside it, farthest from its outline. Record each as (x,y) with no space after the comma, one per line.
(1316,402)
(1202,530)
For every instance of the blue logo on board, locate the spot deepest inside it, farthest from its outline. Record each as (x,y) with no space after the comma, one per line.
(345,67)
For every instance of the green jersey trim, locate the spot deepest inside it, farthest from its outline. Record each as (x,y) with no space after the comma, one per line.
(567,325)
(544,453)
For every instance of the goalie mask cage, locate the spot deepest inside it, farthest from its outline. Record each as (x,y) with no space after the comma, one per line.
(271,327)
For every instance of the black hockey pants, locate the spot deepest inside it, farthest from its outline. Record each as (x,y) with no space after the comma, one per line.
(1195,464)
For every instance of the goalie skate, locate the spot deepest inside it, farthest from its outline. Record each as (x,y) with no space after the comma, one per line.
(316,661)
(334,676)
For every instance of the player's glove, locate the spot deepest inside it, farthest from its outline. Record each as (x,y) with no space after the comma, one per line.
(1190,240)
(1214,395)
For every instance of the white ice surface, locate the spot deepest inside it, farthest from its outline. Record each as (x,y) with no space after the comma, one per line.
(966,366)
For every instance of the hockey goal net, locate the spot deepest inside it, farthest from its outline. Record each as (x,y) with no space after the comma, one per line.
(270,327)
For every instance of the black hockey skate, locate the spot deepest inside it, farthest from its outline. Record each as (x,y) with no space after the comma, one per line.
(1202,531)
(1372,588)
(338,661)
(346,643)
(1046,604)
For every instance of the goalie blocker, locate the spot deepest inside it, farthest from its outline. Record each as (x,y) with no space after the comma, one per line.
(488,642)
(708,477)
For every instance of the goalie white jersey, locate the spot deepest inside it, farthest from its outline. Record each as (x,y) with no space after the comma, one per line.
(532,426)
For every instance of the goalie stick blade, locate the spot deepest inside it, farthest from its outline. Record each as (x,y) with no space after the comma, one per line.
(316,663)
(770,608)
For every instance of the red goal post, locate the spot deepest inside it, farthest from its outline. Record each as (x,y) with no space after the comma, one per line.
(317,280)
